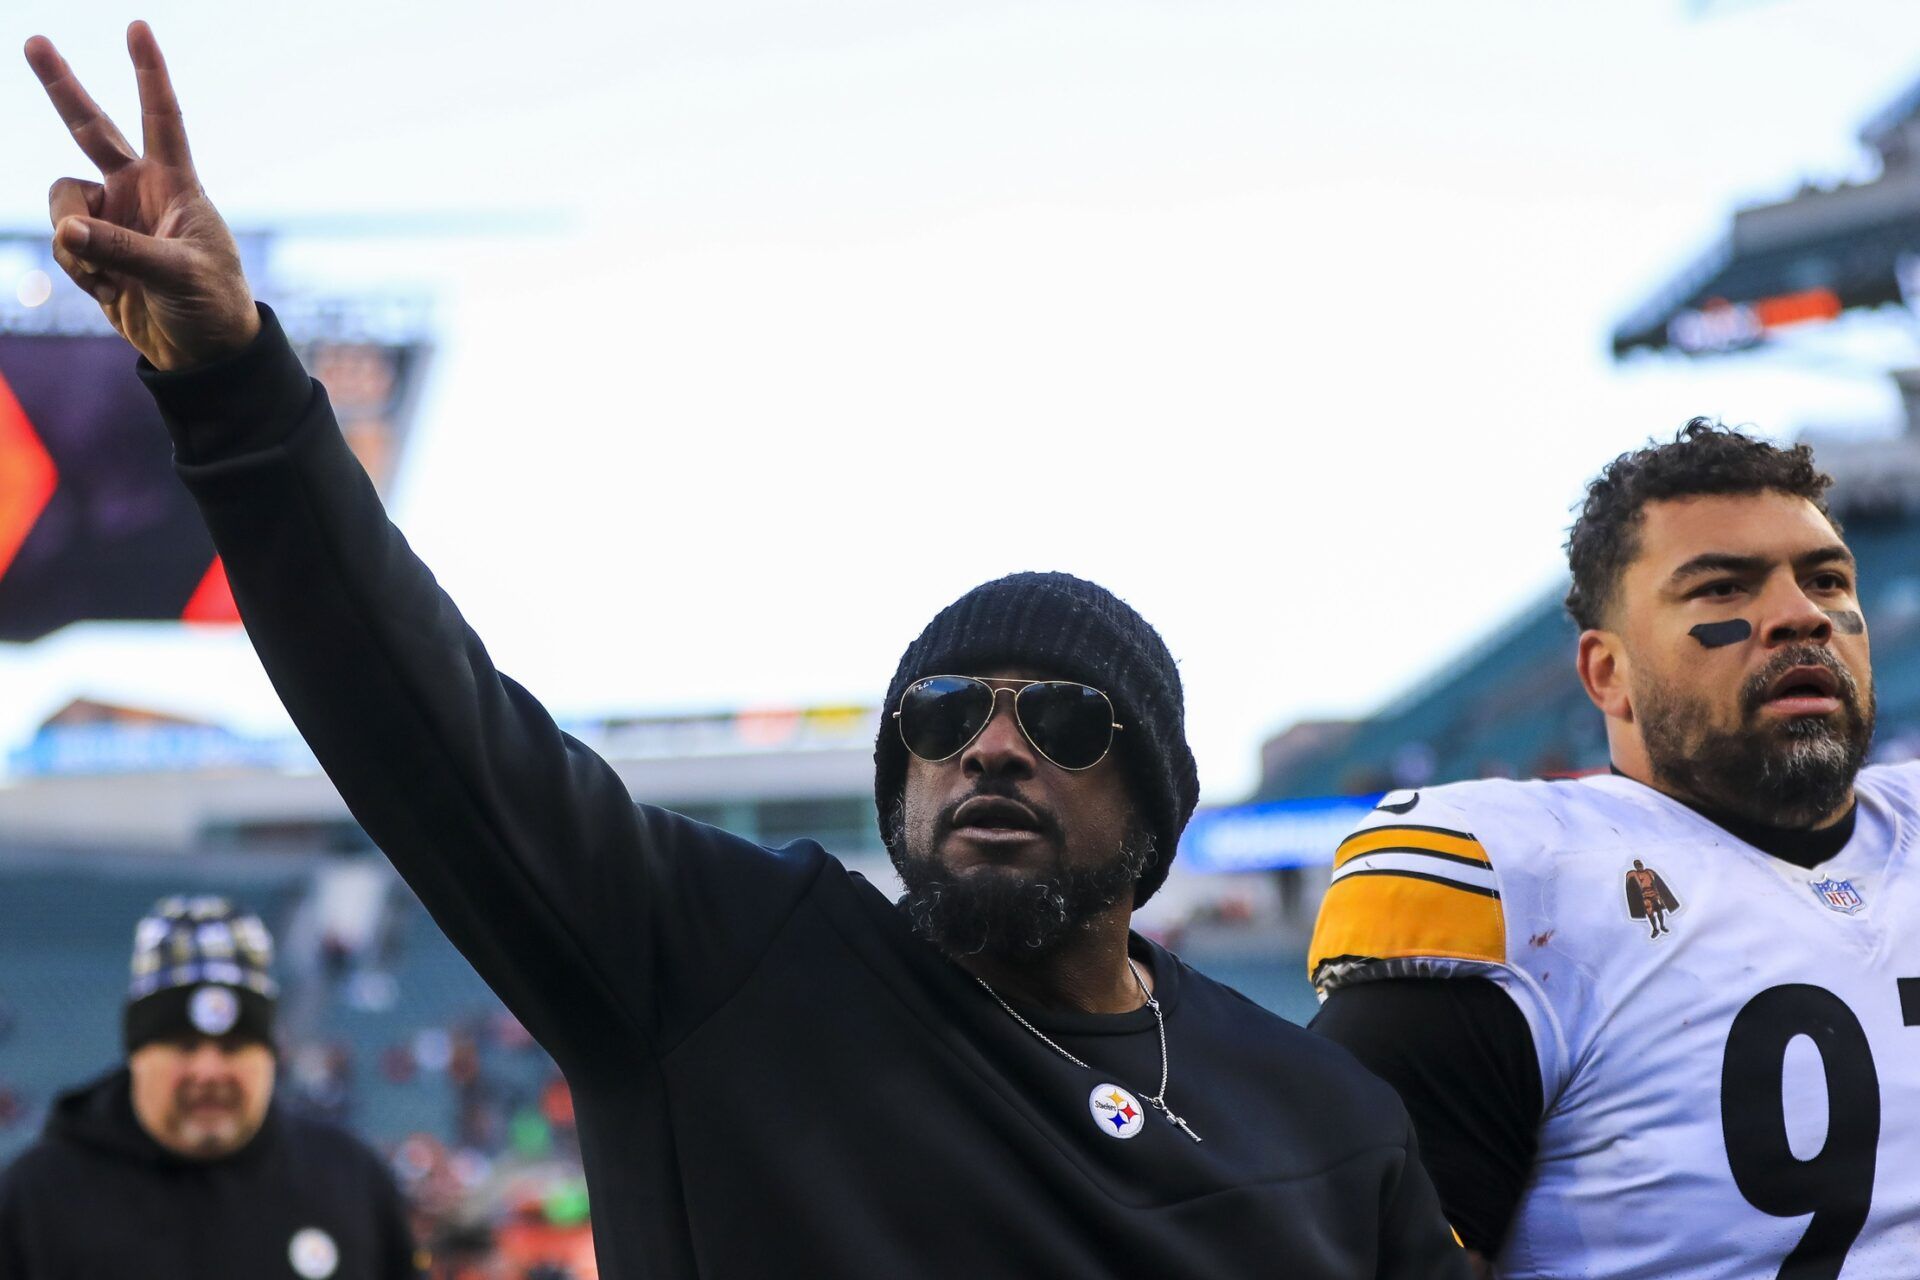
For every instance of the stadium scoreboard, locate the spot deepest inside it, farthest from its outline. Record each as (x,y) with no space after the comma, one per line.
(93,523)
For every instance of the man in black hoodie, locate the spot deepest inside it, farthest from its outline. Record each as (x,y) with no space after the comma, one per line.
(180,1166)
(776,1070)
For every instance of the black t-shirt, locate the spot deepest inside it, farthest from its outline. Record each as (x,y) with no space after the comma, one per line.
(1461,1056)
(773,1074)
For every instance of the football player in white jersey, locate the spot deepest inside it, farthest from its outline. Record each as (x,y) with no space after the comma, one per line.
(1665,1022)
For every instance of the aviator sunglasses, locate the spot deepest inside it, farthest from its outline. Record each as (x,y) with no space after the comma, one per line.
(1069,724)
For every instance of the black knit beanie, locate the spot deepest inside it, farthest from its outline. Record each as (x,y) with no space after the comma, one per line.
(1065,627)
(200,967)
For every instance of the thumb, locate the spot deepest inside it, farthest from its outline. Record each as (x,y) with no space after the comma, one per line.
(167,265)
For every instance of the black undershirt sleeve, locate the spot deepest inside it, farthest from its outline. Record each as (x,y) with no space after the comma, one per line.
(1462,1058)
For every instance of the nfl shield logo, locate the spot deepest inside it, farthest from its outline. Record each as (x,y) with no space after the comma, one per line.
(1839,895)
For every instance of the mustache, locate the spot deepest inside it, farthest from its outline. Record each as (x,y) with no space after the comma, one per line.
(1046,821)
(220,1095)
(1753,694)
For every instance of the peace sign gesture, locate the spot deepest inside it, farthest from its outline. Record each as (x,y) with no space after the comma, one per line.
(145,241)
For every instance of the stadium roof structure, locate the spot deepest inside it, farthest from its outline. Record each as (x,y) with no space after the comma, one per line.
(97,776)
(1801,260)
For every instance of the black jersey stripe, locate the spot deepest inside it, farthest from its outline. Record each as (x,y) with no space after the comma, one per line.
(1410,828)
(1421,875)
(1460,858)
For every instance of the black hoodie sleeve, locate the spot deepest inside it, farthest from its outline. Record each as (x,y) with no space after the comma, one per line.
(599,923)
(1460,1055)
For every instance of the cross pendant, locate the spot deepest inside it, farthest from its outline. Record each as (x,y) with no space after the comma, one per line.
(1184,1126)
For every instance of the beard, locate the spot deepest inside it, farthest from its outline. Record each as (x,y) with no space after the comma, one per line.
(1790,774)
(209,1122)
(1022,915)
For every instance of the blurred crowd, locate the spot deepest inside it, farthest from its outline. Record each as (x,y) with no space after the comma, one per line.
(502,1197)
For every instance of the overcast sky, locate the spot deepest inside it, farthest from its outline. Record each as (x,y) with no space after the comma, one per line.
(1286,322)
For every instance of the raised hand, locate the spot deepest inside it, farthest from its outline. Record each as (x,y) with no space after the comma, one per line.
(145,241)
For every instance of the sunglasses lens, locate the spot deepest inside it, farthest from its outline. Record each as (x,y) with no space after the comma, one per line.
(941,714)
(1071,724)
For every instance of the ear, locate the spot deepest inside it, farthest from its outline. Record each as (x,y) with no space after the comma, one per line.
(1604,669)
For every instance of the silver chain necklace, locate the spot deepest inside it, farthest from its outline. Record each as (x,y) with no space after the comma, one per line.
(1158,1101)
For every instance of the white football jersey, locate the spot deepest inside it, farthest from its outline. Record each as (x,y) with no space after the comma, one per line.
(1729,1045)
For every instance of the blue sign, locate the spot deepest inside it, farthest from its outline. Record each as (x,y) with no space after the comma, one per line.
(167,748)
(1278,833)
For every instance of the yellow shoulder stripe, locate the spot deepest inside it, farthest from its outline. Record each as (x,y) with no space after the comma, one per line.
(1439,840)
(1400,911)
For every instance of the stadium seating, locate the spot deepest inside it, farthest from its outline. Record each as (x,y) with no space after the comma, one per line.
(418,985)
(66,925)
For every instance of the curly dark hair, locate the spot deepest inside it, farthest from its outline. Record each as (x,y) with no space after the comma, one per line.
(1703,457)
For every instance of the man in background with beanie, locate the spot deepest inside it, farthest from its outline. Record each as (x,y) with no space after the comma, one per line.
(777,1070)
(178,1166)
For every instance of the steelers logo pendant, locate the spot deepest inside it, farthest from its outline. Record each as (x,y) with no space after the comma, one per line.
(1116,1113)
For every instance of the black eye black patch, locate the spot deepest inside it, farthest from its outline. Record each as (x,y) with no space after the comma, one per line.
(1847,622)
(1716,635)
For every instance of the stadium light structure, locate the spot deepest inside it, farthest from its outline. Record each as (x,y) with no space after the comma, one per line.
(1803,260)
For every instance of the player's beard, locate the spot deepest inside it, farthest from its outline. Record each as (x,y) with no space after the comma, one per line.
(1018,914)
(1792,773)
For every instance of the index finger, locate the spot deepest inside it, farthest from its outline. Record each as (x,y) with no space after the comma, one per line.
(164,132)
(96,135)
